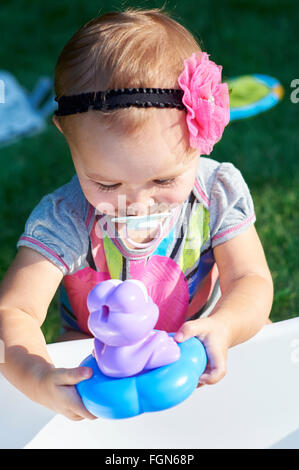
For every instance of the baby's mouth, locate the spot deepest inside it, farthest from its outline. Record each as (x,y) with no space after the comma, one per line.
(153,209)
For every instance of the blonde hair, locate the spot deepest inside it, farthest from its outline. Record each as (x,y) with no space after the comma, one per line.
(129,49)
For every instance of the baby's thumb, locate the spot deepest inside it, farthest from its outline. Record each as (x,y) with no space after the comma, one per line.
(72,376)
(185,332)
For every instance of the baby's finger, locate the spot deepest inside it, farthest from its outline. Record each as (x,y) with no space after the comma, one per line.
(77,415)
(73,416)
(76,406)
(217,360)
(186,331)
(72,376)
(214,372)
(199,385)
(70,404)
(212,378)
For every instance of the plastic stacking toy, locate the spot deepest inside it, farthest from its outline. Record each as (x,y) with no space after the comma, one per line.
(253,94)
(136,369)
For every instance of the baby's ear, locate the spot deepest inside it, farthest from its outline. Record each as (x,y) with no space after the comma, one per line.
(56,123)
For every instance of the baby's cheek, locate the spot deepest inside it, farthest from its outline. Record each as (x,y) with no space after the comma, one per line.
(103,204)
(177,197)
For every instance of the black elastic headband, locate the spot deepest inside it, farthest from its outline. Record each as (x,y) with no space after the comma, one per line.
(120,98)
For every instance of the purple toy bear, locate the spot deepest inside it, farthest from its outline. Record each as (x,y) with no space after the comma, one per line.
(122,318)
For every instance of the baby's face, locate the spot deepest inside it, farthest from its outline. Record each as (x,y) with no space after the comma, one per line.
(138,174)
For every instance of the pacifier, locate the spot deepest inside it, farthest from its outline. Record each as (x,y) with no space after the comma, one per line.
(142,222)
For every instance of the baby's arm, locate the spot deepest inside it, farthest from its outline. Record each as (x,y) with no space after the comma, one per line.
(245,304)
(25,294)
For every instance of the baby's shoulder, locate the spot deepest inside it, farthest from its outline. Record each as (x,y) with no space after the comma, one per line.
(68,199)
(71,193)
(58,228)
(220,187)
(214,179)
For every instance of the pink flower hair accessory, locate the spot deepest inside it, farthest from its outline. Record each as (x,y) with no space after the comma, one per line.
(206,100)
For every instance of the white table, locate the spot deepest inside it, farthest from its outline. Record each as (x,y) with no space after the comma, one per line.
(255,406)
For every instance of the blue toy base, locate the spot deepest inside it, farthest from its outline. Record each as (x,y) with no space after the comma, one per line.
(154,390)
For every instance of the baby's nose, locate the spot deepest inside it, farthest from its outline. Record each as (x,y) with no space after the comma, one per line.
(140,204)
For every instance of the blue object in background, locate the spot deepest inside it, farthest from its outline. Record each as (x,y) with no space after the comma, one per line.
(251,105)
(22,113)
(154,390)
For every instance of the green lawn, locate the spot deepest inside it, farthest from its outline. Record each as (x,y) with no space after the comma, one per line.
(245,36)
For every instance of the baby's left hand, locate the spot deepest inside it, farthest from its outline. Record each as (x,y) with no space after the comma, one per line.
(214,337)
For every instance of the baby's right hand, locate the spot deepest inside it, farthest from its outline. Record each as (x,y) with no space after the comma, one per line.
(58,393)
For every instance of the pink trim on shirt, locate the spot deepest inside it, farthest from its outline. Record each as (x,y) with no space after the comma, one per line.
(201,193)
(232,229)
(48,250)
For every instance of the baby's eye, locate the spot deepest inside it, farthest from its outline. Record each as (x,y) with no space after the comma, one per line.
(107,187)
(166,182)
